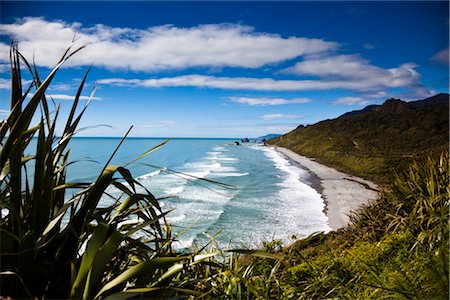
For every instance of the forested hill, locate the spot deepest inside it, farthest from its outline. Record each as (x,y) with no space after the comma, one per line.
(376,140)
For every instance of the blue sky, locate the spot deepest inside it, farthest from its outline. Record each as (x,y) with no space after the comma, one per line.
(230,69)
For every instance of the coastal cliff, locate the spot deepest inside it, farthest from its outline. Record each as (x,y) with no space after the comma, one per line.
(377,140)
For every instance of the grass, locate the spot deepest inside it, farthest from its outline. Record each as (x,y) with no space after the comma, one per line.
(56,240)
(396,247)
(375,144)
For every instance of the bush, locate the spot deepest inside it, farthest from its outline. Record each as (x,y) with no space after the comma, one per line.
(56,240)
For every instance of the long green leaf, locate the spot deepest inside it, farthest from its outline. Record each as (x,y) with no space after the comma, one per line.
(39,170)
(177,268)
(92,248)
(102,258)
(6,168)
(25,117)
(146,267)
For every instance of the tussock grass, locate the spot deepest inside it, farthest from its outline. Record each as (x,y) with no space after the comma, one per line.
(372,144)
(396,247)
(97,252)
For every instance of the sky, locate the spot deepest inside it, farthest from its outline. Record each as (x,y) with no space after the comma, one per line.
(228,69)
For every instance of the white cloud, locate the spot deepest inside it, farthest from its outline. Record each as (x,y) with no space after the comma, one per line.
(357,71)
(4,68)
(267,101)
(351,101)
(442,57)
(62,87)
(280,116)
(157,48)
(70,97)
(5,84)
(377,95)
(4,112)
(368,46)
(401,77)
(67,97)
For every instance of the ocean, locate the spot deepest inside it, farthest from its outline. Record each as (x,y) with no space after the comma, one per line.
(271,197)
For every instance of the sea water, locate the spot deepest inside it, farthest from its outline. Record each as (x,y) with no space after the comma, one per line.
(267,197)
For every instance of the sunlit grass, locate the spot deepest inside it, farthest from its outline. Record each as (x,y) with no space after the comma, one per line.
(396,247)
(96,251)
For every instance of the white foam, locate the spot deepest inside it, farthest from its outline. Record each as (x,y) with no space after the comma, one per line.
(226,169)
(284,164)
(201,166)
(224,158)
(149,175)
(182,244)
(219,148)
(300,205)
(175,219)
(202,194)
(191,175)
(213,152)
(230,174)
(174,190)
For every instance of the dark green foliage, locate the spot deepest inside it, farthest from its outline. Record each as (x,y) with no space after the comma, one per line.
(396,248)
(56,241)
(377,140)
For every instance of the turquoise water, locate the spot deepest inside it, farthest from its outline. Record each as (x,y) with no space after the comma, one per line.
(271,198)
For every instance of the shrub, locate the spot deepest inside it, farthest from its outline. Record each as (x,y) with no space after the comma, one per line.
(56,240)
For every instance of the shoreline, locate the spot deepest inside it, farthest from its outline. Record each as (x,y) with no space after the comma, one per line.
(342,193)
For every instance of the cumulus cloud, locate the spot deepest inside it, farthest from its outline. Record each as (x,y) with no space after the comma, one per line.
(399,78)
(442,57)
(157,48)
(4,68)
(5,83)
(280,116)
(63,87)
(351,101)
(354,69)
(267,101)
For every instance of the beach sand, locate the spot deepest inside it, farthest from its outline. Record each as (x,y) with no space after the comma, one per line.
(342,193)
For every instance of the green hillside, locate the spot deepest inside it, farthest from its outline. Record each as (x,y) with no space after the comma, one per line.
(395,248)
(377,140)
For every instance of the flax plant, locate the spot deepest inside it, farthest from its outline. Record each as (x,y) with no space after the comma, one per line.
(56,240)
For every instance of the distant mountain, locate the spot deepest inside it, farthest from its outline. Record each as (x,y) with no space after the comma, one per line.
(435,100)
(269,136)
(377,139)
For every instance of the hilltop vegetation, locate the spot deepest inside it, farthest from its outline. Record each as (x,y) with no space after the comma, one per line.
(396,248)
(58,247)
(375,141)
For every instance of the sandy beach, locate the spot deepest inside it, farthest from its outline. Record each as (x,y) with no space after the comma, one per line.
(342,193)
